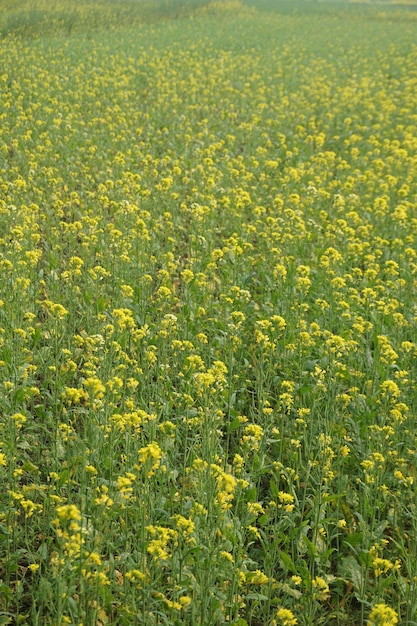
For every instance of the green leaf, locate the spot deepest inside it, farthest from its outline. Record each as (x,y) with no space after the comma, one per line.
(23,445)
(256,596)
(234,425)
(353,540)
(311,547)
(352,570)
(274,488)
(251,495)
(287,562)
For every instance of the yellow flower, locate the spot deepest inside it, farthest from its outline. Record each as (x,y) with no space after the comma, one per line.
(124,318)
(253,434)
(255,578)
(255,508)
(390,389)
(285,617)
(135,576)
(151,453)
(382,615)
(95,387)
(185,601)
(383,566)
(19,419)
(34,567)
(226,555)
(285,498)
(184,524)
(68,512)
(55,309)
(187,275)
(321,589)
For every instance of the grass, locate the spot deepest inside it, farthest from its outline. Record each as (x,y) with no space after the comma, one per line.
(208,322)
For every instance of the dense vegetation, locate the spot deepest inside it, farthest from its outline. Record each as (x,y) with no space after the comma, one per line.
(208,344)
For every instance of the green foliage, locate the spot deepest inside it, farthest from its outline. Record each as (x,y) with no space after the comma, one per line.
(34,18)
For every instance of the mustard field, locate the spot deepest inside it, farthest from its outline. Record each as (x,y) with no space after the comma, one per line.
(208,290)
